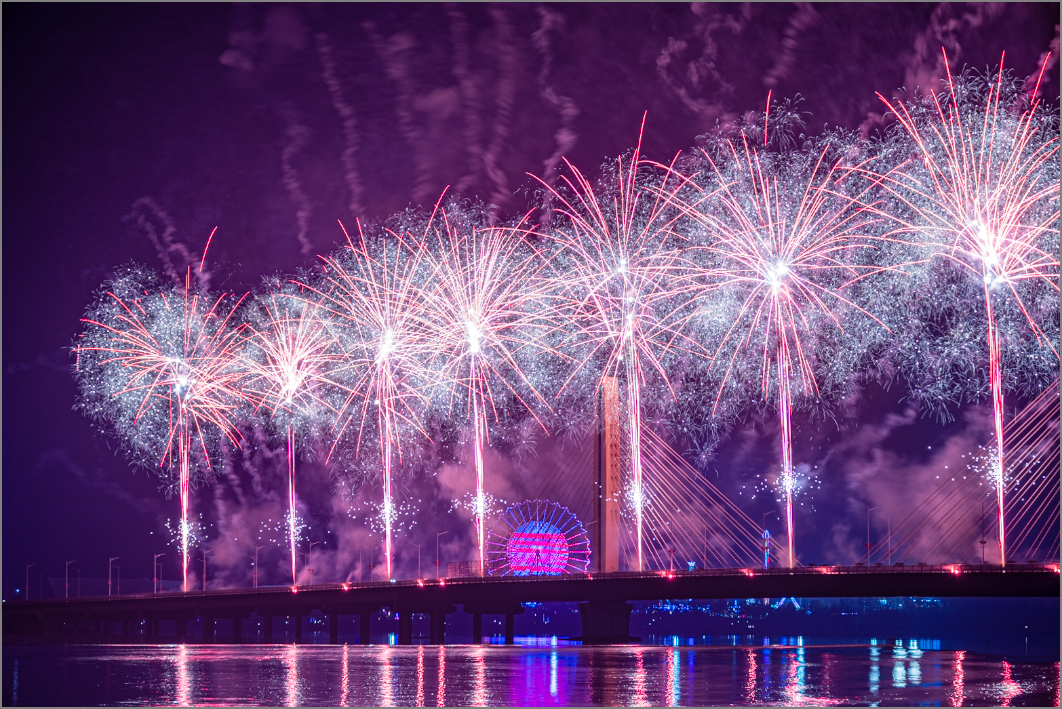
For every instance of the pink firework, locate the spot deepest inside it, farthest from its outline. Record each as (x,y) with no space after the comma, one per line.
(483,319)
(289,357)
(780,247)
(983,193)
(161,365)
(623,291)
(374,300)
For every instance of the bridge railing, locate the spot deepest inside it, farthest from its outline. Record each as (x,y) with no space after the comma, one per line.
(858,569)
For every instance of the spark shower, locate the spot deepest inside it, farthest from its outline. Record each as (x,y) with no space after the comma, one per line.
(752,272)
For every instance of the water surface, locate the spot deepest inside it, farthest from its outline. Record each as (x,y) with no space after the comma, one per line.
(899,673)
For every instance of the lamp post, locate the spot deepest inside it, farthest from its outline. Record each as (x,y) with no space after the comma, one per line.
(869,510)
(110,567)
(205,552)
(27,580)
(254,559)
(67,590)
(309,568)
(155,571)
(439,534)
(418,557)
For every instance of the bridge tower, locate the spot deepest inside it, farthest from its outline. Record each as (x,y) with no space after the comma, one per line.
(608,480)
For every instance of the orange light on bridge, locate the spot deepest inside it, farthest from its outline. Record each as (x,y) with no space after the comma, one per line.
(955,570)
(346,587)
(420,582)
(294,589)
(748,572)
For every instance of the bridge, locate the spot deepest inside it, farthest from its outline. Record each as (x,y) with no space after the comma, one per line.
(604,600)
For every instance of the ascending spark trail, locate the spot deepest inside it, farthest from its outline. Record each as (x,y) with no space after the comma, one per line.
(622,292)
(782,247)
(482,308)
(374,294)
(288,355)
(160,364)
(982,195)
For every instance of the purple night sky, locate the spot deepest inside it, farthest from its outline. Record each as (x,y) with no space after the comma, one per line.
(133,130)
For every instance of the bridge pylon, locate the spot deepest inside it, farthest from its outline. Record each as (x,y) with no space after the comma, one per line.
(608,481)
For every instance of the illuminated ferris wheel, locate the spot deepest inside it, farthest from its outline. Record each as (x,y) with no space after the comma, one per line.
(538,538)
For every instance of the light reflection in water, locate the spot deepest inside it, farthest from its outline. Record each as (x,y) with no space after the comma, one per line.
(957,680)
(479,688)
(875,670)
(553,674)
(440,695)
(387,669)
(794,677)
(291,663)
(640,698)
(673,678)
(322,675)
(344,691)
(420,675)
(1008,688)
(184,681)
(750,681)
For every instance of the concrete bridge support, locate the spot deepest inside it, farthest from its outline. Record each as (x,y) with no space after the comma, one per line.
(606,623)
(477,628)
(364,627)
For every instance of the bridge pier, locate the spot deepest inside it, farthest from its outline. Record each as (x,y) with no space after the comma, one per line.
(208,628)
(405,628)
(437,633)
(298,629)
(333,628)
(364,627)
(181,630)
(477,628)
(510,628)
(606,623)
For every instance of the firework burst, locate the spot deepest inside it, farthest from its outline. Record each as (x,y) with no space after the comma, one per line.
(485,323)
(159,363)
(289,358)
(981,191)
(780,245)
(622,292)
(374,296)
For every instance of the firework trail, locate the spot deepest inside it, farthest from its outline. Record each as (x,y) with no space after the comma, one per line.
(982,193)
(373,292)
(780,246)
(159,363)
(288,357)
(622,291)
(485,321)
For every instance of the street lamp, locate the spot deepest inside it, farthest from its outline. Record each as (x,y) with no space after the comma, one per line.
(254,559)
(308,567)
(110,565)
(68,576)
(869,510)
(205,552)
(27,579)
(418,557)
(155,571)
(439,534)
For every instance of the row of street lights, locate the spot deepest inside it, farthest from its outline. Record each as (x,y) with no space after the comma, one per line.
(116,588)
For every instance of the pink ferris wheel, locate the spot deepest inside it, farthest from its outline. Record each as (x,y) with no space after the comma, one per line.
(538,538)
